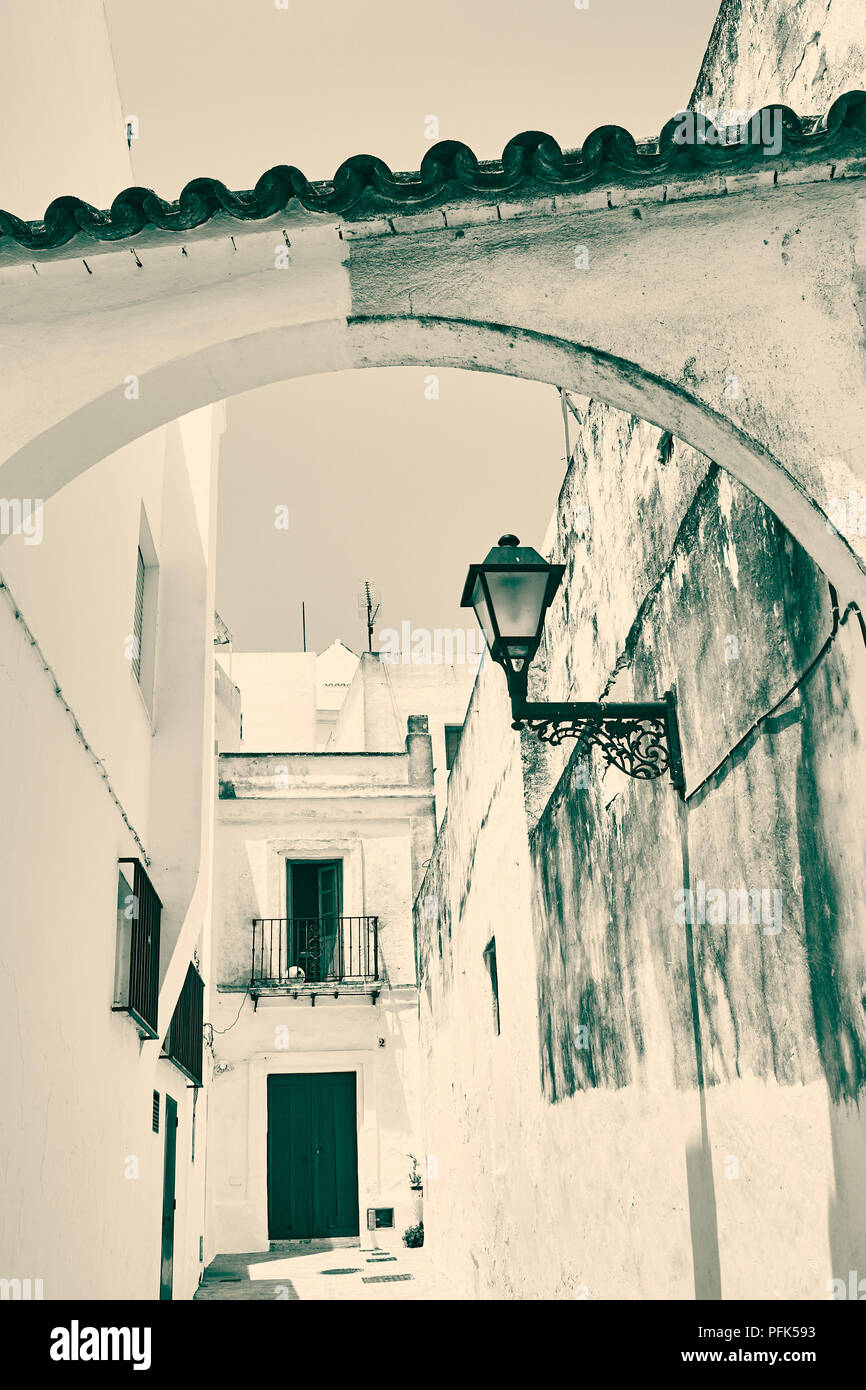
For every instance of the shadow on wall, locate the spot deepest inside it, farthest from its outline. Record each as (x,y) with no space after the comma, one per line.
(703,1214)
(599,932)
(835,955)
(593,981)
(784,808)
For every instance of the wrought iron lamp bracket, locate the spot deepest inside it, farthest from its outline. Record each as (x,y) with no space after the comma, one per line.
(640,739)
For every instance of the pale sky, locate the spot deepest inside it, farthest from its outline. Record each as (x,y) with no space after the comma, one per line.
(377,477)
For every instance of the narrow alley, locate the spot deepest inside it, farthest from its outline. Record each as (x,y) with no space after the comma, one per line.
(330,1270)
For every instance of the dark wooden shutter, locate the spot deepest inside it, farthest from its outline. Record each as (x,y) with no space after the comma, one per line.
(184,1040)
(330,965)
(138,989)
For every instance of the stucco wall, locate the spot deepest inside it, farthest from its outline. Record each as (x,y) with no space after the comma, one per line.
(83,1168)
(278,699)
(77,1143)
(777,233)
(685,1089)
(763,51)
(58,73)
(656,1085)
(251,851)
(382,696)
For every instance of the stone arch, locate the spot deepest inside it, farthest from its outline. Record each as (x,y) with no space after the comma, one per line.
(63,451)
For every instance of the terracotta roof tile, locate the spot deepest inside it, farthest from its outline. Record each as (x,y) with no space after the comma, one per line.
(532,166)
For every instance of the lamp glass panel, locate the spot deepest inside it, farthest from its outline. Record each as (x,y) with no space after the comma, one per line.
(479,603)
(517,598)
(518,651)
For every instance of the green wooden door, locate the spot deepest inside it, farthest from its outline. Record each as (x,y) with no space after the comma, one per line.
(312,1156)
(166,1266)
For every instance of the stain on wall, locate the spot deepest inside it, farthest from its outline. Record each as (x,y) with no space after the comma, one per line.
(749,1005)
(673,1107)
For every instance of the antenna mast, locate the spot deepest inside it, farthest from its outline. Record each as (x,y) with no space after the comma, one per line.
(368,601)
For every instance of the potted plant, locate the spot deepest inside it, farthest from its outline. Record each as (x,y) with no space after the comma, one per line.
(416,1187)
(414,1236)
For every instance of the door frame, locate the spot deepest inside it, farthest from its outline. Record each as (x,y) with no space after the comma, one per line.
(309,849)
(275,1082)
(320,861)
(361,1061)
(336,942)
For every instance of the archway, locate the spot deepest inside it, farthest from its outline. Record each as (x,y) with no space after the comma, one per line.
(57,455)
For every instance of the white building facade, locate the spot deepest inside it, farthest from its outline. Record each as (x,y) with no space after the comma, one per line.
(106,604)
(318,857)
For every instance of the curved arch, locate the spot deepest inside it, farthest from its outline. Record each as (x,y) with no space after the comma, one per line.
(105,424)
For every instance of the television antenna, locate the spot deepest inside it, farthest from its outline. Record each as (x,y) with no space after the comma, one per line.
(369,605)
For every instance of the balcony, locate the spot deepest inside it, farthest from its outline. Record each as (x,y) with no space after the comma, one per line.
(293,953)
(184,1041)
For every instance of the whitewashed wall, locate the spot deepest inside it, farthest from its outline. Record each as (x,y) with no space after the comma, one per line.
(84,1170)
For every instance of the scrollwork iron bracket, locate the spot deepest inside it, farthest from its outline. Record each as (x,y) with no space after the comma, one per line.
(641,739)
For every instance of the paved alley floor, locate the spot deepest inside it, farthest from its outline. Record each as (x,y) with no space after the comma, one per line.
(325,1269)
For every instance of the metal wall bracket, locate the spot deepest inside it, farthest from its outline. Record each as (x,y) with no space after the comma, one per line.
(641,739)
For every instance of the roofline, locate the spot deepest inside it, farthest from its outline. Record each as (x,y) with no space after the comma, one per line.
(533,164)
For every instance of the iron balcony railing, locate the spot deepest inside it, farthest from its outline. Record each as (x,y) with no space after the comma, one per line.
(330,950)
(184,1041)
(136,982)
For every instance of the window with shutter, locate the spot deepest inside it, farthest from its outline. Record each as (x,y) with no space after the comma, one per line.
(136,977)
(452,738)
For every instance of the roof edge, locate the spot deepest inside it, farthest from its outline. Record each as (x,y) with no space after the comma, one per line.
(532,164)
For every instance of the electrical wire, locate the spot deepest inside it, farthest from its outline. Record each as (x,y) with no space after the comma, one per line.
(231,1025)
(838,622)
(97,761)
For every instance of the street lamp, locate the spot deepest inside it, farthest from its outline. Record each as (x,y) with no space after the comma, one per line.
(511,593)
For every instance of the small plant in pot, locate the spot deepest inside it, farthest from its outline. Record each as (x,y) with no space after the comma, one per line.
(416,1182)
(414,1236)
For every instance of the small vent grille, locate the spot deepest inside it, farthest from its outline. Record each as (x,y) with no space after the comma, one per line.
(156,1112)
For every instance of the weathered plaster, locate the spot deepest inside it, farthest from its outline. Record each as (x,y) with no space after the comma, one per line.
(644,326)
(648,1058)
(762,51)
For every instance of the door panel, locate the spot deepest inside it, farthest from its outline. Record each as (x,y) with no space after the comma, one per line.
(314,892)
(335,1190)
(329,908)
(312,1156)
(290,1164)
(166,1271)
